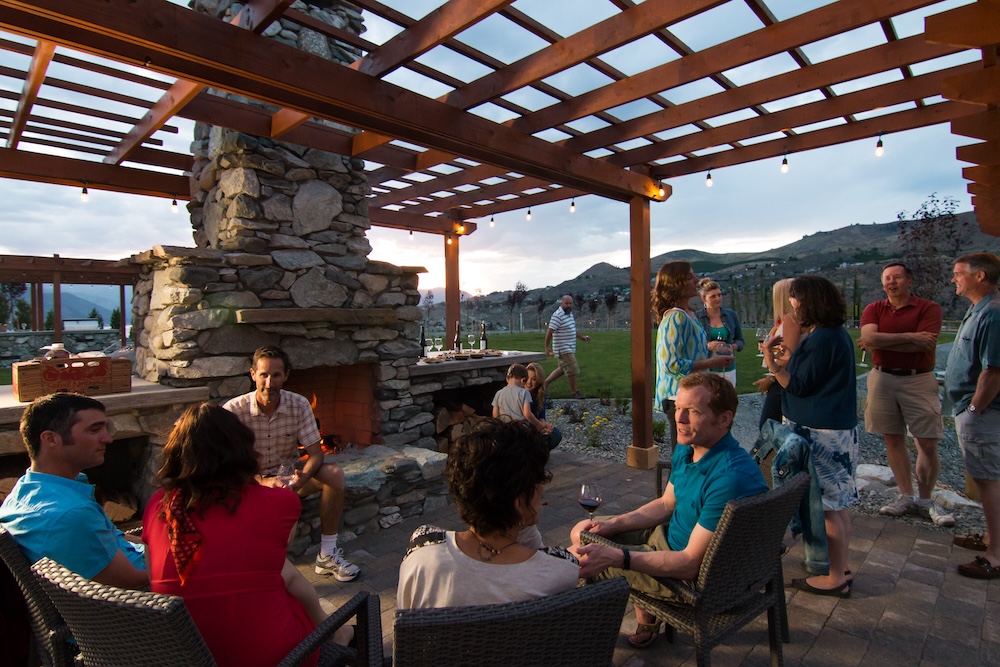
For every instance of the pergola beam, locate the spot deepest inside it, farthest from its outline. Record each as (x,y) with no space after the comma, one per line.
(29,92)
(188,45)
(803,29)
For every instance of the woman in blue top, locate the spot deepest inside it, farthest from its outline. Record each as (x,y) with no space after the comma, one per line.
(722,325)
(820,404)
(681,343)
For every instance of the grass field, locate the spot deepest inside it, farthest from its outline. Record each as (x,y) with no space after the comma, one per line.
(606,362)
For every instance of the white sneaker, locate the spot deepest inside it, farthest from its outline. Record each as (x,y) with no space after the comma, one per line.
(337,565)
(899,507)
(936,513)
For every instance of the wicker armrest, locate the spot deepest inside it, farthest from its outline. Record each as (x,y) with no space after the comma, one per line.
(366,608)
(683,589)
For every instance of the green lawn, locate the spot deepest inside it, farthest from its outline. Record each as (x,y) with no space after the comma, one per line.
(606,362)
(5,376)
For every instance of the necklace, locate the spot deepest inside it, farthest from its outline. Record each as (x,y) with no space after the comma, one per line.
(490,552)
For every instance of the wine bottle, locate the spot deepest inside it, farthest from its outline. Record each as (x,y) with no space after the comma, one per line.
(458,337)
(423,341)
(482,336)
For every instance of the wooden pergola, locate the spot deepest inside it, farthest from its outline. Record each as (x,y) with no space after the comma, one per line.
(437,165)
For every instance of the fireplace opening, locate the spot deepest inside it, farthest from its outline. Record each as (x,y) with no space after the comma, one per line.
(343,400)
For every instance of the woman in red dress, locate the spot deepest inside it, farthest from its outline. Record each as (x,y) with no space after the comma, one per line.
(218,539)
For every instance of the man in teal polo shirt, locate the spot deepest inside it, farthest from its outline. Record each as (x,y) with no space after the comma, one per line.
(672,533)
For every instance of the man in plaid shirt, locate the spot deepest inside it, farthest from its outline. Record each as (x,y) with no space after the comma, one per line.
(281,421)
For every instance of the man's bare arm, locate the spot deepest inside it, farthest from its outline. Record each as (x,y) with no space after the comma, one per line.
(122,574)
(913,341)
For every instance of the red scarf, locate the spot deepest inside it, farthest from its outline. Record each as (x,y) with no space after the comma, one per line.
(185,540)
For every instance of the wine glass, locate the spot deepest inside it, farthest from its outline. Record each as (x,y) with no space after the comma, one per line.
(761,337)
(864,354)
(438,343)
(472,342)
(590,498)
(723,349)
(286,473)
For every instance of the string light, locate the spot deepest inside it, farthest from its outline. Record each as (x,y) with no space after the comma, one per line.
(449,240)
(662,191)
(572,205)
(492,224)
(879,150)
(784,165)
(84,195)
(411,234)
(528,216)
(173,206)
(461,228)
(708,180)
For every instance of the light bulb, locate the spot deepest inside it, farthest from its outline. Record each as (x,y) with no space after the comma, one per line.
(461,229)
(879,150)
(572,205)
(708,180)
(84,195)
(528,216)
(411,234)
(662,191)
(492,224)
(784,165)
(449,240)
(173,206)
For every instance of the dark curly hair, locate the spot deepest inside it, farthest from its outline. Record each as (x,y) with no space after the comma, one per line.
(668,292)
(492,466)
(820,302)
(209,457)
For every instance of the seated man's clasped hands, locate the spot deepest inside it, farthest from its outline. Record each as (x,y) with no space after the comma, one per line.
(668,536)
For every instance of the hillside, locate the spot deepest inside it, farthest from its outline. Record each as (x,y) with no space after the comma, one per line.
(850,256)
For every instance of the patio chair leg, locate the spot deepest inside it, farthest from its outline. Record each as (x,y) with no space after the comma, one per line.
(773,612)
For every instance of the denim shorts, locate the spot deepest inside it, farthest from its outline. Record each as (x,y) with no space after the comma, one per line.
(979,438)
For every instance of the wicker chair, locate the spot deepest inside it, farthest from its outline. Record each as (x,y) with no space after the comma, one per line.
(49,630)
(576,629)
(115,626)
(740,576)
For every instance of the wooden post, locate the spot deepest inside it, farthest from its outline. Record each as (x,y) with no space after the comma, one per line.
(56,305)
(452,309)
(643,452)
(121,318)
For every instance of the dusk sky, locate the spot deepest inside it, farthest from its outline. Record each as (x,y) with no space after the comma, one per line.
(751,207)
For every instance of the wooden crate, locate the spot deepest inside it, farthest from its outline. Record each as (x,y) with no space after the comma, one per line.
(82,375)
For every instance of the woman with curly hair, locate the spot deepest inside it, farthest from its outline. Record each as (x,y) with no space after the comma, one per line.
(495,474)
(218,539)
(819,403)
(681,343)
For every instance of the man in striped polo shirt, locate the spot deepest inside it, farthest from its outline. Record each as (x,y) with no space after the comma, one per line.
(560,341)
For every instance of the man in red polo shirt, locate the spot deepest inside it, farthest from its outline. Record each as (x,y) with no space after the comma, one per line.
(901,332)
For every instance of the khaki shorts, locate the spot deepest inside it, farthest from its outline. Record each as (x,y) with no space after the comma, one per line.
(979,438)
(567,363)
(651,539)
(896,402)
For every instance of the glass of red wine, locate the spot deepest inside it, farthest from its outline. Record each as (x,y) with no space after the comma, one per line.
(590,498)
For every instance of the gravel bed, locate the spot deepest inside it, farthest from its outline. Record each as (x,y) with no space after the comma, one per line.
(613,433)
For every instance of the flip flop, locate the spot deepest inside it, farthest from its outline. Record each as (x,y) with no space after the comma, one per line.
(979,568)
(803,585)
(973,542)
(652,629)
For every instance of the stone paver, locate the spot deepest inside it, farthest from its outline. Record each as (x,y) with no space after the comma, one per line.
(908,605)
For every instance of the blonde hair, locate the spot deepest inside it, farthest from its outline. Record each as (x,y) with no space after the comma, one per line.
(780,293)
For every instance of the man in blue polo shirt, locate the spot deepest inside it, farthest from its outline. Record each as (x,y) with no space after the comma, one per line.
(709,469)
(51,511)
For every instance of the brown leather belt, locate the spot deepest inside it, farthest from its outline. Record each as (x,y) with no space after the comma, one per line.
(903,371)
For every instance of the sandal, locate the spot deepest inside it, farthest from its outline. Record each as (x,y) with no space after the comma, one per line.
(804,586)
(979,568)
(973,542)
(642,629)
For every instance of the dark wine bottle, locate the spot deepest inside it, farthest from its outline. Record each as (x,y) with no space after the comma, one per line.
(423,341)
(482,336)
(458,337)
